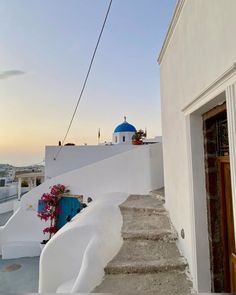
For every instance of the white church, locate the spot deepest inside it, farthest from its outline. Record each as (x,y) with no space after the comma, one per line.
(123,133)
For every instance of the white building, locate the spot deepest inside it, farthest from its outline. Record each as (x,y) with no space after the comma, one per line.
(32,179)
(198,98)
(123,133)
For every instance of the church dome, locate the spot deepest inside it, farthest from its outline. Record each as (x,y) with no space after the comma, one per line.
(125,127)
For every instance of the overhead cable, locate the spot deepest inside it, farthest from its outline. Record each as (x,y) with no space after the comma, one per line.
(85,81)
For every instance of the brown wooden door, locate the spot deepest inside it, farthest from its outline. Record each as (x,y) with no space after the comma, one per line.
(233,272)
(227,225)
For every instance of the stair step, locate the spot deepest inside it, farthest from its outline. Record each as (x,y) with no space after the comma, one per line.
(150,235)
(146,250)
(166,283)
(139,220)
(159,194)
(150,210)
(142,201)
(144,266)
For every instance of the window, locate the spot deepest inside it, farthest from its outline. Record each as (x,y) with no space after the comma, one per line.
(123,138)
(116,139)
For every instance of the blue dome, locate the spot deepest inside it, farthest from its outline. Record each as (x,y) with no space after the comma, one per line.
(125,127)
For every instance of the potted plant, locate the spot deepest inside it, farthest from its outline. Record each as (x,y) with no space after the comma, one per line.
(138,137)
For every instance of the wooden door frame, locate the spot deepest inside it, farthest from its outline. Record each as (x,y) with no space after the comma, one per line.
(213,195)
(227,225)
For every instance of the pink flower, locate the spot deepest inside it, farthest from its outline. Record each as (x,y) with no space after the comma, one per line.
(46,197)
(51,230)
(51,206)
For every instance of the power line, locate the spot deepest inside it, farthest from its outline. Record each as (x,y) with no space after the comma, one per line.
(86,79)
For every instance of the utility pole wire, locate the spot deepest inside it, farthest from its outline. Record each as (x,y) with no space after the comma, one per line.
(85,81)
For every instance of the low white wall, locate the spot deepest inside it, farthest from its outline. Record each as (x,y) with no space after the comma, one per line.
(136,171)
(156,166)
(7,206)
(74,259)
(75,157)
(11,190)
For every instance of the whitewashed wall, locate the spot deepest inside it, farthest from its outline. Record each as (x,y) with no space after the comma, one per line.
(119,135)
(136,171)
(75,157)
(74,259)
(199,49)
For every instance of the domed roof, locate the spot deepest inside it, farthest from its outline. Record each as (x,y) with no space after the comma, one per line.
(125,127)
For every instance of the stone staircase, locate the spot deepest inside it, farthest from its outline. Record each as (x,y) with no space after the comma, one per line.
(148,261)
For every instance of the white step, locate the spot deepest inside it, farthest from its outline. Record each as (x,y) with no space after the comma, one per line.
(19,249)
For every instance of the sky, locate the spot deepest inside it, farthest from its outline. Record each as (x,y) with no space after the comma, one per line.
(45,50)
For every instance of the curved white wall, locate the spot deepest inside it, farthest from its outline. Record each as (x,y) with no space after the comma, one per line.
(74,259)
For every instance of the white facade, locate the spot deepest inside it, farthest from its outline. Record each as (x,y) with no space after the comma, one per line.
(122,137)
(198,72)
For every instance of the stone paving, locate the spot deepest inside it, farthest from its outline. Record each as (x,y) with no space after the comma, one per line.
(19,275)
(149,261)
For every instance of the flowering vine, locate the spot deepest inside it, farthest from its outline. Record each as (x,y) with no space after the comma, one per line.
(51,208)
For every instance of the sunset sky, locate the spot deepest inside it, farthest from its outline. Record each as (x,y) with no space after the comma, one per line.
(45,50)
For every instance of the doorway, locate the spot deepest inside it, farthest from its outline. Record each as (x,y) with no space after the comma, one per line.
(219,200)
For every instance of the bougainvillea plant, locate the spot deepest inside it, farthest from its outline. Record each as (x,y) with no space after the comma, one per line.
(138,137)
(51,208)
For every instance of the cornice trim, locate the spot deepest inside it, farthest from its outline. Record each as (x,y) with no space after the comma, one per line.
(171,28)
(218,82)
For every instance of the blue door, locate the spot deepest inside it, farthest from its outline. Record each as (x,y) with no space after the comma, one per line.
(68,209)
(41,206)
